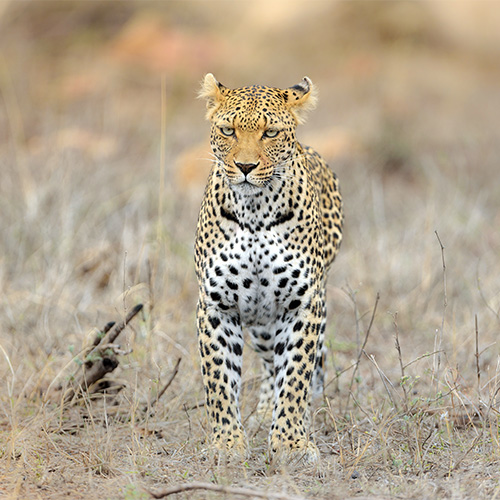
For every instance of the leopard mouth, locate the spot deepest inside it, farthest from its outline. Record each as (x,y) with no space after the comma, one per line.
(245,184)
(246,188)
(242,185)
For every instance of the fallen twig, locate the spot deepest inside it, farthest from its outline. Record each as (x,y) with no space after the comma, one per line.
(100,335)
(456,465)
(102,358)
(228,490)
(114,330)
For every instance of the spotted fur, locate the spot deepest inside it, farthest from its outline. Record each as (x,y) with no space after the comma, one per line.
(269,228)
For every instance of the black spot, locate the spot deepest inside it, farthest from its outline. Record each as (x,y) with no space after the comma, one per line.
(294,304)
(214,321)
(279,270)
(231,285)
(279,348)
(264,282)
(233,270)
(282,282)
(298,326)
(309,346)
(222,341)
(296,273)
(215,296)
(247,282)
(214,347)
(280,220)
(228,215)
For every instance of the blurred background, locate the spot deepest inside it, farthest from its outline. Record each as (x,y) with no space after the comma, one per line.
(104,155)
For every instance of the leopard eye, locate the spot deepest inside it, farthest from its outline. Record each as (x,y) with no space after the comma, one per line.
(227,131)
(271,133)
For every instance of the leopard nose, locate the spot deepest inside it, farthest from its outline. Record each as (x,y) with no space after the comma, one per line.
(246,168)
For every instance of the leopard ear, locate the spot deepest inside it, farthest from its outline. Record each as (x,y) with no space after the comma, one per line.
(301,98)
(214,93)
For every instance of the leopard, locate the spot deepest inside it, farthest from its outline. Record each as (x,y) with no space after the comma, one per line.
(269,228)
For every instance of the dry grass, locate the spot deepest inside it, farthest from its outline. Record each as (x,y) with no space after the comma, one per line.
(96,217)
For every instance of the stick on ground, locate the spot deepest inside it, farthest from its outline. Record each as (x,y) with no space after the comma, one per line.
(102,358)
(226,490)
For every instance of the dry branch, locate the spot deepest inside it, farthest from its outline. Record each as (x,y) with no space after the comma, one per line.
(226,490)
(384,378)
(478,369)
(401,365)
(100,335)
(113,333)
(437,348)
(155,399)
(361,351)
(102,358)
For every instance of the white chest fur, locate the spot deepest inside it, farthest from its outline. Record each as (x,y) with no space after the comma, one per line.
(255,273)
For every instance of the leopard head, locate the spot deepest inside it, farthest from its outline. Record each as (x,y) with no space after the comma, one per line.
(253,129)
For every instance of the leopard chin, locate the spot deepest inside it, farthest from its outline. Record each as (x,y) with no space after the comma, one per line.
(246,188)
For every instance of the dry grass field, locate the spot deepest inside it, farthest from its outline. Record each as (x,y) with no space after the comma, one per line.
(103,157)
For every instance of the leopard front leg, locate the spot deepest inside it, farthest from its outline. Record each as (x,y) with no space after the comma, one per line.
(221,349)
(262,338)
(318,379)
(295,352)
